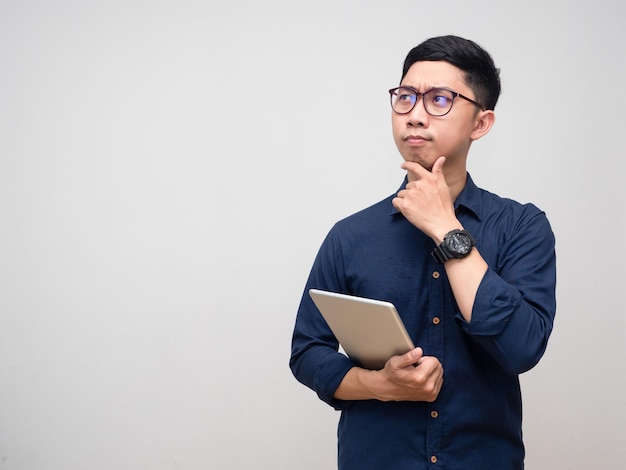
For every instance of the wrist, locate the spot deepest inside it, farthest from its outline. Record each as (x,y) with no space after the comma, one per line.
(375,383)
(445,229)
(360,384)
(456,244)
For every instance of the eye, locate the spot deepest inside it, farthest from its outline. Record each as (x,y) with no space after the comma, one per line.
(441,100)
(405,97)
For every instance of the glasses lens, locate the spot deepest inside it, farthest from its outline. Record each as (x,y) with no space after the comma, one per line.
(438,101)
(403,100)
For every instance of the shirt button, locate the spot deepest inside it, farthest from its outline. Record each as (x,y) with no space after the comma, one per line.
(436,274)
(434,414)
(436,320)
(433,459)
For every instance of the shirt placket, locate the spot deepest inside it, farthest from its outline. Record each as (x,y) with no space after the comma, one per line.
(435,325)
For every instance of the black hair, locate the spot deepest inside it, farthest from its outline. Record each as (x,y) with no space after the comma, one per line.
(481,74)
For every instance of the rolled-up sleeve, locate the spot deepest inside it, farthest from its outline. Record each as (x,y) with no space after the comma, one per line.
(515,304)
(315,360)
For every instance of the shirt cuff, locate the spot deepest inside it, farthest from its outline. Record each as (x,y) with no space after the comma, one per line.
(495,301)
(328,378)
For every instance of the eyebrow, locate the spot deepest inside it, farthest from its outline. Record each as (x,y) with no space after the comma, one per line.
(430,88)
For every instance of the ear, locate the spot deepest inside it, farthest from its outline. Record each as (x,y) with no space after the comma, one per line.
(482,124)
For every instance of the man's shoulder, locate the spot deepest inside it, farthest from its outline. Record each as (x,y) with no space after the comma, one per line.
(490,202)
(382,208)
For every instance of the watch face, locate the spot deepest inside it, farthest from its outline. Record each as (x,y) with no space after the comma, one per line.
(460,243)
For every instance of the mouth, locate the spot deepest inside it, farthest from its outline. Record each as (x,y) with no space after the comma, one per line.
(415,139)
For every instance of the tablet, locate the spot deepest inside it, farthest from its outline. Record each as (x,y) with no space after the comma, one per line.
(369,331)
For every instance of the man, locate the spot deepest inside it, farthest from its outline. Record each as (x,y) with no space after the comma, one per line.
(472,275)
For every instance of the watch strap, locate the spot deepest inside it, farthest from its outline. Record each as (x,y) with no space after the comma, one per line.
(441,254)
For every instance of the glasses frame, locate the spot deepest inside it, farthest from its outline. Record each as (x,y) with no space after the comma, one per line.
(455,95)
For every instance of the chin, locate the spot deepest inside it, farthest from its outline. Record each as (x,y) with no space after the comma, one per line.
(428,164)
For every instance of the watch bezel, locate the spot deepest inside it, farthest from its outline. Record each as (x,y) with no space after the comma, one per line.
(459,243)
(448,248)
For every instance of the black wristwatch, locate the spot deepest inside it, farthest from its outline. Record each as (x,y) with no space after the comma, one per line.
(456,244)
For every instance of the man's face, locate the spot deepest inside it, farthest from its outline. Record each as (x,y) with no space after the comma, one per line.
(423,138)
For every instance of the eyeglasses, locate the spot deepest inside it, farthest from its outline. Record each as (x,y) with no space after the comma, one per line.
(437,101)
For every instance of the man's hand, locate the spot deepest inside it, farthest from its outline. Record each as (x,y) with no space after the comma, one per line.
(426,201)
(412,377)
(409,377)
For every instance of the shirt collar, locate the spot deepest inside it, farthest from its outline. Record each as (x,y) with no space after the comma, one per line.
(468,199)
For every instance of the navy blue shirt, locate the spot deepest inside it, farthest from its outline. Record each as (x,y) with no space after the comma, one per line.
(476,421)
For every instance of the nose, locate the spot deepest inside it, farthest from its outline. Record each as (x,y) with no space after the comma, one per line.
(418,117)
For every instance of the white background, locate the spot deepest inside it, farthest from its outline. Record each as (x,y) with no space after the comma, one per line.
(168,170)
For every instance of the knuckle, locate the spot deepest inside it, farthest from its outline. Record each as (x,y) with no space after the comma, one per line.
(421,382)
(431,399)
(431,393)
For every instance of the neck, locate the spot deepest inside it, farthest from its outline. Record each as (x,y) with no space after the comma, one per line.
(456,182)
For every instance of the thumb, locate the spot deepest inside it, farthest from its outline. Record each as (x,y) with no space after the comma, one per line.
(413,357)
(438,166)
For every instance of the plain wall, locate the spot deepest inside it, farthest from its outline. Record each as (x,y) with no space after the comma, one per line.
(168,170)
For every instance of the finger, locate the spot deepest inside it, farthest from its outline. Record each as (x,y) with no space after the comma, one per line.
(432,365)
(405,360)
(397,203)
(413,357)
(415,170)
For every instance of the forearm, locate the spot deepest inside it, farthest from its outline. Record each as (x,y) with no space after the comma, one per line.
(410,377)
(359,384)
(465,276)
(364,384)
